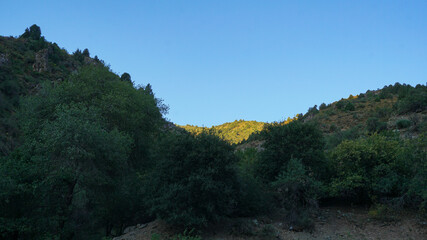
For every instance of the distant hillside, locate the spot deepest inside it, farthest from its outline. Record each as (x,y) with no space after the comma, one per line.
(233,132)
(399,107)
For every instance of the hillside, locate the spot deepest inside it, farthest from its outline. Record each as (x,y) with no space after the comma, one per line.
(399,107)
(375,110)
(72,135)
(25,62)
(232,132)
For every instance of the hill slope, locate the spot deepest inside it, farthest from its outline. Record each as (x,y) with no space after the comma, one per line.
(398,107)
(233,132)
(25,62)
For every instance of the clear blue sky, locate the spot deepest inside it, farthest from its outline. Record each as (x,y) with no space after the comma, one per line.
(218,61)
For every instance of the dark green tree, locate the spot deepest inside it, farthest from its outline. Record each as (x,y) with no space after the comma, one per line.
(126,77)
(194,182)
(293,140)
(86,52)
(369,169)
(83,141)
(298,193)
(33,33)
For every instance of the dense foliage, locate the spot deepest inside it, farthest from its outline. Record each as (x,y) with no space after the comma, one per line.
(293,140)
(84,153)
(81,141)
(194,182)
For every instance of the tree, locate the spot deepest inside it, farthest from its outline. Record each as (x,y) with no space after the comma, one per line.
(126,77)
(194,181)
(84,144)
(293,140)
(298,193)
(368,169)
(78,55)
(34,33)
(75,165)
(86,52)
(322,106)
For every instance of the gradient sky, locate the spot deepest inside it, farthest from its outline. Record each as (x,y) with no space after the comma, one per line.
(218,61)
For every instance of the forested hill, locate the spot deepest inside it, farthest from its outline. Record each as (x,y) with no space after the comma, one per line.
(26,63)
(233,132)
(75,141)
(398,107)
(84,153)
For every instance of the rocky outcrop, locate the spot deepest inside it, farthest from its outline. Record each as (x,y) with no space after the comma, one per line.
(88,61)
(3,59)
(41,63)
(131,232)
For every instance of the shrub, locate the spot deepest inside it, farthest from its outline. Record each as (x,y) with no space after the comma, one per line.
(298,192)
(349,107)
(187,235)
(332,140)
(312,111)
(382,212)
(368,169)
(253,197)
(243,228)
(247,159)
(414,100)
(340,104)
(322,106)
(415,154)
(403,123)
(374,125)
(267,232)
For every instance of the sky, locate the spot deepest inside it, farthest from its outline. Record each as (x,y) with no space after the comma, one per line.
(218,61)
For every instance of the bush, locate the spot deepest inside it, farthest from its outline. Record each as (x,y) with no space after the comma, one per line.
(374,125)
(415,155)
(403,123)
(247,159)
(349,107)
(298,192)
(414,100)
(194,181)
(243,227)
(332,140)
(268,232)
(368,169)
(382,212)
(322,106)
(340,104)
(253,197)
